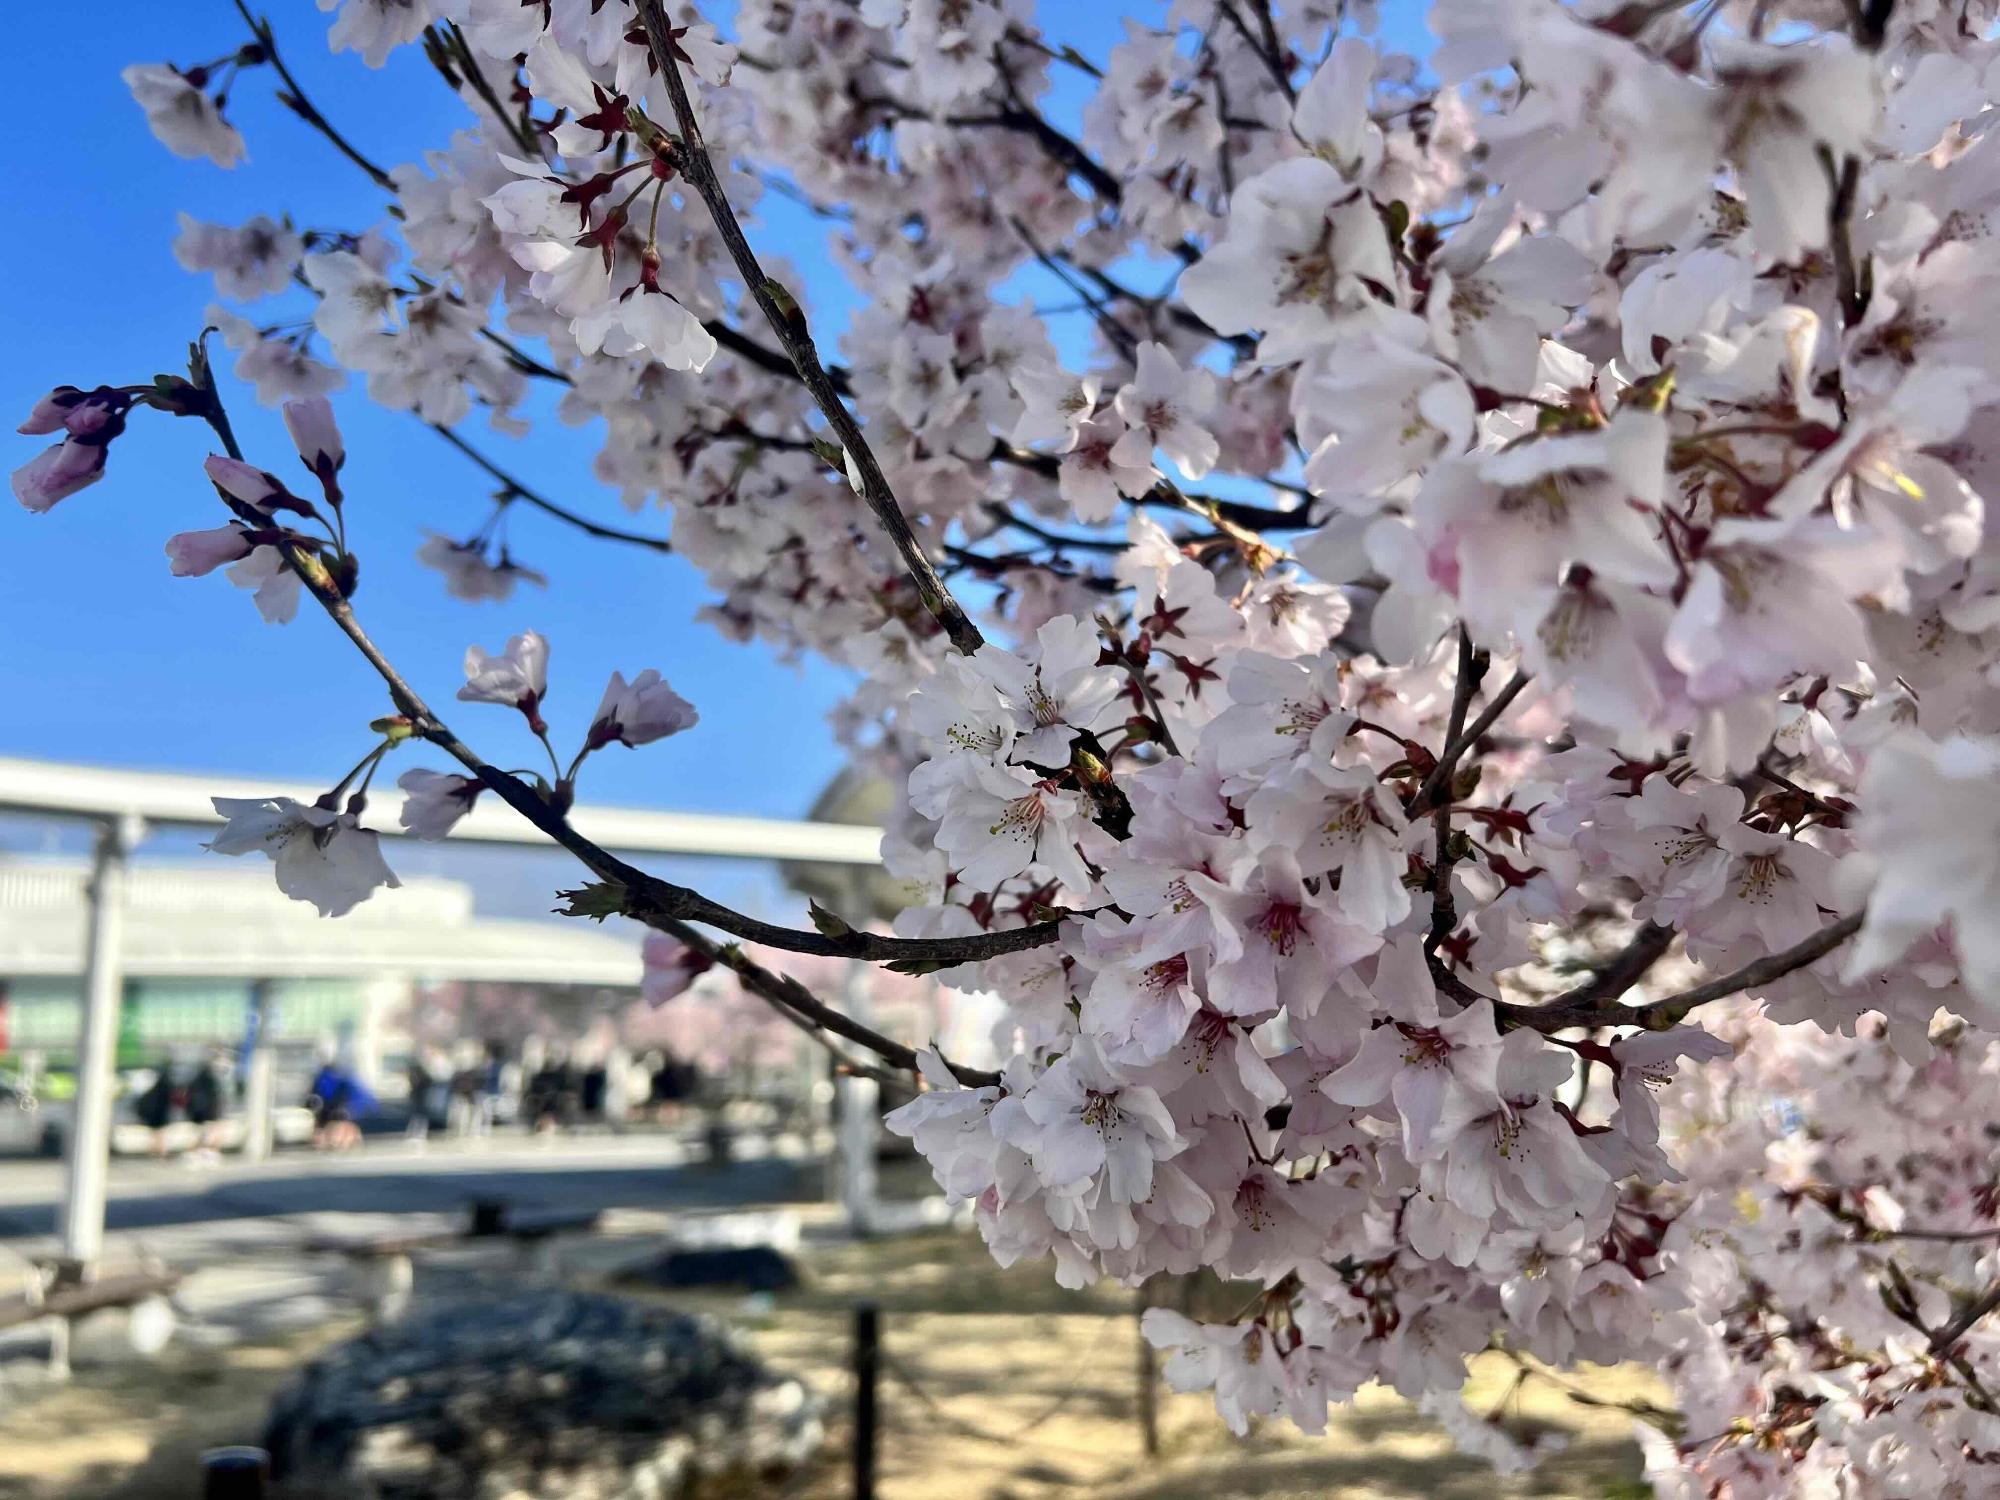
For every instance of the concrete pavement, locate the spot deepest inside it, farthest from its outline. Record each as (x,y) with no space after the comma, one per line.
(651,1171)
(238,1229)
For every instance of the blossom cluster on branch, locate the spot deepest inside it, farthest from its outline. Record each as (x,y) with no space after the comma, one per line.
(1440,661)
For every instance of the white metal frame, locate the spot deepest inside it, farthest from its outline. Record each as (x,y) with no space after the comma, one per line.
(123,804)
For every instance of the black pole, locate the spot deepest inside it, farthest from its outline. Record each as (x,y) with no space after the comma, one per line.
(1149,1379)
(235,1474)
(867,1364)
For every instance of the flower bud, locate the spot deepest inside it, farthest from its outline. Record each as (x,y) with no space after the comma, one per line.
(243,482)
(51,413)
(59,472)
(192,554)
(311,424)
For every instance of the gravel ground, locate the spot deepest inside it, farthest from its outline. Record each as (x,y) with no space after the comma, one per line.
(995,1384)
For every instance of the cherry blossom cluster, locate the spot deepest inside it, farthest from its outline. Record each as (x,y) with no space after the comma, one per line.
(1476,774)
(1837,1243)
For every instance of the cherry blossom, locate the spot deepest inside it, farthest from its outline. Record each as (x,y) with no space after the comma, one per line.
(320,855)
(517,677)
(1429,623)
(185,119)
(471,574)
(640,711)
(434,801)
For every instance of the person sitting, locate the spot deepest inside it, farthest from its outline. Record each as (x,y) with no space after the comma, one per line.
(155,1107)
(205,1109)
(338,1101)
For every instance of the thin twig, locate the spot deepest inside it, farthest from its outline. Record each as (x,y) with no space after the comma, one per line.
(295,100)
(517,129)
(1439,781)
(1961,1325)
(519,491)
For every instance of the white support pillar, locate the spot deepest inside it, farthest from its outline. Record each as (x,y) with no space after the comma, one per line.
(860,1132)
(860,1121)
(258,1073)
(96,1078)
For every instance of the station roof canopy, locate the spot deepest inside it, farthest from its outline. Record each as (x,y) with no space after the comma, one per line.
(163,798)
(220,920)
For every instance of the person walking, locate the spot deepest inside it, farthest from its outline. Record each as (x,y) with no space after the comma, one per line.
(205,1111)
(155,1106)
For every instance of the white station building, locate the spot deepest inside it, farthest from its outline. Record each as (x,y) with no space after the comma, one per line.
(199,938)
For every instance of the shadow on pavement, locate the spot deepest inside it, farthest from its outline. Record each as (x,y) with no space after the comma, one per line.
(696,1186)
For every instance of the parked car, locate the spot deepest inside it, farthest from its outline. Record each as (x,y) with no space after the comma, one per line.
(29,1123)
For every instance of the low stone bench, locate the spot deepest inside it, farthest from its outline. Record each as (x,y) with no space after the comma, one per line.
(57,1295)
(387,1262)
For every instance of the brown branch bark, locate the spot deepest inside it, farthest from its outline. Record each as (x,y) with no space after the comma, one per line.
(657,903)
(519,491)
(1591,1005)
(789,325)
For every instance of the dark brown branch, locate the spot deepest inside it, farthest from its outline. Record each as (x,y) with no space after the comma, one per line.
(521,360)
(1167,496)
(1243,343)
(648,899)
(799,1004)
(1625,969)
(1600,1010)
(1059,147)
(294,98)
(1900,1298)
(518,491)
(789,324)
(1958,1327)
(517,127)
(1267,46)
(764,358)
(735,341)
(1444,909)
(1438,783)
(1854,280)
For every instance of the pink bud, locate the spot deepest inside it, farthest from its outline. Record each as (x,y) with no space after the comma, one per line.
(59,472)
(51,413)
(193,553)
(243,481)
(640,711)
(311,425)
(670,968)
(98,414)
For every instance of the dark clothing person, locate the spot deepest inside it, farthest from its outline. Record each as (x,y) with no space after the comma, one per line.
(204,1096)
(156,1106)
(552,1096)
(420,1084)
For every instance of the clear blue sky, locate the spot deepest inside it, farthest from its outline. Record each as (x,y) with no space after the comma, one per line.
(105,657)
(109,658)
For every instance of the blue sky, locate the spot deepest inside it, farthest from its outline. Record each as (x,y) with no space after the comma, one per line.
(105,657)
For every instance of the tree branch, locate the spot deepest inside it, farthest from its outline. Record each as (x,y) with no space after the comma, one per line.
(520,491)
(1457,743)
(1960,1326)
(1591,1005)
(789,324)
(294,98)
(647,898)
(1444,909)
